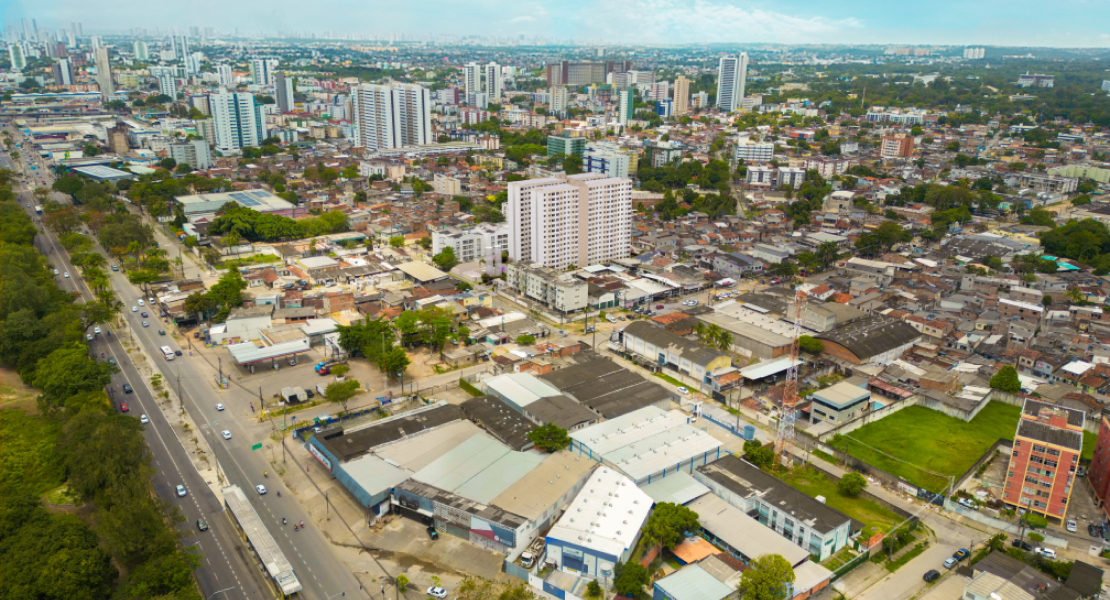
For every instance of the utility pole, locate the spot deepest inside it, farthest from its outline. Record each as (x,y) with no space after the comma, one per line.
(261,405)
(221,360)
(180,395)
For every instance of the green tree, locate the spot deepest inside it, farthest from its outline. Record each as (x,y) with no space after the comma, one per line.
(769,577)
(394,362)
(341,392)
(810,344)
(1006,379)
(758,454)
(446,260)
(397,241)
(425,243)
(593,589)
(851,484)
(669,523)
(549,438)
(525,340)
(630,578)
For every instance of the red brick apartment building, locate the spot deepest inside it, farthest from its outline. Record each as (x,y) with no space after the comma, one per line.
(1047,445)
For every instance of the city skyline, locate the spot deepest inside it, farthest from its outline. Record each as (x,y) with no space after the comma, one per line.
(1065,24)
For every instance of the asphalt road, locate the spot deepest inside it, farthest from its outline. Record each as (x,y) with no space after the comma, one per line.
(226,561)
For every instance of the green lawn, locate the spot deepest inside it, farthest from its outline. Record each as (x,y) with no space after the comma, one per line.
(1089,441)
(811,481)
(917,438)
(669,379)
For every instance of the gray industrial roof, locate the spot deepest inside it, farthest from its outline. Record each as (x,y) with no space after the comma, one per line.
(560,410)
(607,387)
(1068,438)
(500,420)
(348,445)
(677,488)
(1034,408)
(871,336)
(659,337)
(746,481)
(694,583)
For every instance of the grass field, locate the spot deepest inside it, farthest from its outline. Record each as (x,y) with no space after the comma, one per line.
(919,438)
(812,482)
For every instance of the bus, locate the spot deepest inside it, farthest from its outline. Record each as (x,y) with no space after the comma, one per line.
(38,209)
(167,352)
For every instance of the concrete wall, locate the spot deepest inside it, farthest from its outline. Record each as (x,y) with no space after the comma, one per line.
(870,417)
(1007,527)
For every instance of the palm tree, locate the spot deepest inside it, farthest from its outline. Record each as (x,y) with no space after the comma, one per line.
(700,330)
(1075,295)
(724,341)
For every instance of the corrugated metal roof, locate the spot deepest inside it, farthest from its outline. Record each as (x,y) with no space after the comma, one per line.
(374,474)
(743,533)
(521,389)
(676,488)
(460,464)
(693,583)
(499,476)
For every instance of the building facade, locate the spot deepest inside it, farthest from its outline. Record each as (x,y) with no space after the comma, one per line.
(558,291)
(392,116)
(681,96)
(194,153)
(469,244)
(732,74)
(1043,463)
(896,146)
(237,120)
(749,151)
(283,88)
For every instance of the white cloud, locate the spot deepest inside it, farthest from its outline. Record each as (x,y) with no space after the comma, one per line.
(662,21)
(523,19)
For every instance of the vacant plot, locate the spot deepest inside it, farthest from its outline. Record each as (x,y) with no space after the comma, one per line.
(925,447)
(811,481)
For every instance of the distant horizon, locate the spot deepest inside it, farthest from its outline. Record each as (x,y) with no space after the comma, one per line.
(1067,24)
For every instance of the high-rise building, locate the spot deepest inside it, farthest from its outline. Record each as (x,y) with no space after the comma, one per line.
(493,82)
(732,74)
(753,151)
(63,72)
(584,73)
(566,145)
(658,91)
(392,116)
(283,86)
(472,81)
(104,72)
(193,62)
(1047,446)
(225,76)
(262,70)
(17,56)
(167,83)
(626,108)
(896,146)
(141,51)
(559,100)
(194,153)
(237,120)
(581,220)
(608,159)
(681,96)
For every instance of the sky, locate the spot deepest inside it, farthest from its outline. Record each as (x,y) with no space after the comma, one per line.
(1059,23)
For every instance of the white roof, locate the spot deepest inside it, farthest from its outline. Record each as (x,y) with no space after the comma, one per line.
(606,515)
(505,318)
(318,326)
(1020,304)
(676,488)
(1078,367)
(248,352)
(421,271)
(767,367)
(521,388)
(743,533)
(613,434)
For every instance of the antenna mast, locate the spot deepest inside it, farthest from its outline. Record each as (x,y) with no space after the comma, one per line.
(784,442)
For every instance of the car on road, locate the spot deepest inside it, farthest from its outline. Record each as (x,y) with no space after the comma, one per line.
(1022,544)
(177,353)
(144,315)
(115,267)
(432,533)
(161,332)
(683,390)
(88,337)
(141,302)
(961,554)
(181,493)
(145,324)
(967,503)
(1072,526)
(659,307)
(311,394)
(123,407)
(134,309)
(227,434)
(219,407)
(931,576)
(950,562)
(201,525)
(56,272)
(112,361)
(261,490)
(1082,472)
(96,330)
(127,388)
(143,419)
(66,274)
(1048,553)
(1094,530)
(437,592)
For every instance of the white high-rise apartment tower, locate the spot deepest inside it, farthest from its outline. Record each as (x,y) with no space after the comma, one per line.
(167,84)
(104,72)
(237,120)
(472,80)
(391,116)
(681,96)
(493,82)
(578,220)
(225,76)
(262,70)
(283,86)
(18,58)
(559,100)
(141,50)
(732,74)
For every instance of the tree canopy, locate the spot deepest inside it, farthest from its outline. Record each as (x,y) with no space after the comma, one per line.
(768,577)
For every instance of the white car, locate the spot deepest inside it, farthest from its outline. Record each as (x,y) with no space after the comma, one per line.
(1048,553)
(143,419)
(96,330)
(227,434)
(437,592)
(1072,527)
(152,301)
(683,390)
(181,491)
(56,272)
(134,309)
(261,490)
(141,302)
(66,274)
(219,407)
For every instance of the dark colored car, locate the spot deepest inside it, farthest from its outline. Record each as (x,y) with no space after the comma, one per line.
(177,352)
(961,554)
(1024,545)
(432,533)
(931,576)
(127,388)
(311,394)
(1094,530)
(145,316)
(201,525)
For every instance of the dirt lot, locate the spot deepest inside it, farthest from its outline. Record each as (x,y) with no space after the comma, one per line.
(13,394)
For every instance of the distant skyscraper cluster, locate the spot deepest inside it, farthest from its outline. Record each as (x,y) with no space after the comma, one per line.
(974,53)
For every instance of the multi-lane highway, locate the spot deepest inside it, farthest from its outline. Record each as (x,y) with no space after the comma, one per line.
(227,569)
